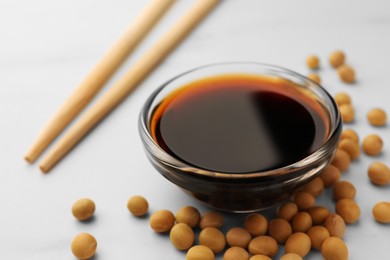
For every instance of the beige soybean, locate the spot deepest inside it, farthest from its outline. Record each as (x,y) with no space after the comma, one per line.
(314,77)
(260,257)
(314,187)
(200,252)
(138,206)
(291,256)
(381,212)
(351,147)
(287,211)
(312,61)
(263,245)
(379,173)
(188,215)
(211,219)
(236,253)
(318,214)
(182,236)
(372,144)
(162,221)
(333,248)
(346,73)
(342,98)
(256,224)
(84,246)
(212,238)
(83,209)
(330,175)
(238,237)
(341,160)
(377,117)
(304,200)
(279,229)
(317,235)
(350,134)
(335,224)
(349,210)
(298,243)
(347,113)
(337,58)
(301,222)
(343,190)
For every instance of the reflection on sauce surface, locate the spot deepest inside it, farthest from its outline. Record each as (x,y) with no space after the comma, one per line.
(239,123)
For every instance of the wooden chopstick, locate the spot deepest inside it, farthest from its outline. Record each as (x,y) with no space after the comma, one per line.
(99,75)
(128,82)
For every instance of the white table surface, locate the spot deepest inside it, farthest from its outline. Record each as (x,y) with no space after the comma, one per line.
(47,47)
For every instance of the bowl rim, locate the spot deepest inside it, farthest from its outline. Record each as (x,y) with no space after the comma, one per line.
(168,159)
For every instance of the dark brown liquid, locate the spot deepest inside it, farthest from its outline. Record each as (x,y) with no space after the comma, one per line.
(239,124)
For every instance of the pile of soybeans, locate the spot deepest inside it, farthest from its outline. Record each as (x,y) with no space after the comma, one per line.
(300,224)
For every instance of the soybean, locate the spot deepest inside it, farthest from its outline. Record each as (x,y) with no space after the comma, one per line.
(211,219)
(304,200)
(313,62)
(260,257)
(212,238)
(344,190)
(334,248)
(330,175)
(236,253)
(162,221)
(182,236)
(298,243)
(301,222)
(287,211)
(372,144)
(349,210)
(84,246)
(377,117)
(138,206)
(341,160)
(347,113)
(256,224)
(351,147)
(381,212)
(318,214)
(317,235)
(200,252)
(314,187)
(188,215)
(314,77)
(379,173)
(337,58)
(350,134)
(238,237)
(263,245)
(291,256)
(342,98)
(280,230)
(83,209)
(346,73)
(335,224)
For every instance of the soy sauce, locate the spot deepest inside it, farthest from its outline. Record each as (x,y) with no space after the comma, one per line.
(239,123)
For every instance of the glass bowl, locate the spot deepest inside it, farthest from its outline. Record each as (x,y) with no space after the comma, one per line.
(243,192)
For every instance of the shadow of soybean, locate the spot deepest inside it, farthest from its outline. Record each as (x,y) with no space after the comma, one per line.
(87,221)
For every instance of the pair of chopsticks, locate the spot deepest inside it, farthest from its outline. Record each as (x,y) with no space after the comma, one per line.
(123,87)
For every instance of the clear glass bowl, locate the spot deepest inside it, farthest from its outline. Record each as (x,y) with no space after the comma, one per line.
(249,191)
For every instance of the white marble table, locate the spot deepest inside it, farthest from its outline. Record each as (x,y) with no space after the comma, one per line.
(47,47)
